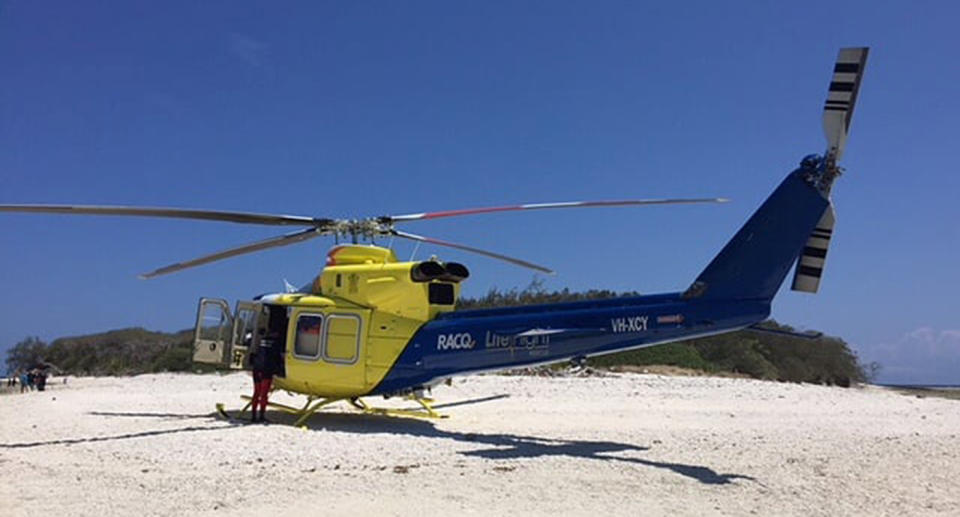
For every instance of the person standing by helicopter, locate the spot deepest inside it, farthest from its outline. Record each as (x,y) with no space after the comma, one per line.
(267,360)
(262,379)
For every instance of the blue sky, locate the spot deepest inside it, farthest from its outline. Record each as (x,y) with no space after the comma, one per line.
(347,109)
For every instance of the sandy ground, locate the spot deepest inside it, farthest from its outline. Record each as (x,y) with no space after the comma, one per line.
(630,444)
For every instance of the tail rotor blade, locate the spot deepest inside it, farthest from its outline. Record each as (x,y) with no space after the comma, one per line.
(841,97)
(806,276)
(505,258)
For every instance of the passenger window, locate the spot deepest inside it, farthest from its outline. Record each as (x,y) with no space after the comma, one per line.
(308,336)
(342,338)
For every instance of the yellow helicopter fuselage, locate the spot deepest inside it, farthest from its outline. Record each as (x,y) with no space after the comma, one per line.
(342,337)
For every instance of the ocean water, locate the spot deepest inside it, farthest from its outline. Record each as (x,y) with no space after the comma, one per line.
(943,387)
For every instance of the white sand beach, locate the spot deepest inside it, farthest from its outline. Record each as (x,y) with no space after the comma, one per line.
(629,444)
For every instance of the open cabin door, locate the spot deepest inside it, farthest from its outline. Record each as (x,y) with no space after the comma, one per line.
(212,338)
(245,335)
(224,340)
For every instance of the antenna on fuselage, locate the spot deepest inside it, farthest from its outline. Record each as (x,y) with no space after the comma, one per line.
(415,248)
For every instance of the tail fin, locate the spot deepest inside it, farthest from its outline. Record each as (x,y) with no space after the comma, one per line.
(755,262)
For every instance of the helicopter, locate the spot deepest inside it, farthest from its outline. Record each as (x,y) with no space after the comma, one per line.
(372,325)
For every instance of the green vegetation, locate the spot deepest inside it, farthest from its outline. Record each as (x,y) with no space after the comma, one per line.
(825,360)
(117,352)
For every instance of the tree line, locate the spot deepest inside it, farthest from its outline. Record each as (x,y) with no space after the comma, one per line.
(117,352)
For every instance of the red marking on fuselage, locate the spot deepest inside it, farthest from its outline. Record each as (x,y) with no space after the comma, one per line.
(332,255)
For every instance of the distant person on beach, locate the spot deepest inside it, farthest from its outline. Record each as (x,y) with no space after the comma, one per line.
(41,378)
(24,381)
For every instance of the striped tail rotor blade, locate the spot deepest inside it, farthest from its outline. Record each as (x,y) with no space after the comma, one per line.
(806,277)
(841,97)
(542,206)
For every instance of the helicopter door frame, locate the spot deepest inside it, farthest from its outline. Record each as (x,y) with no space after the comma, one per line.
(245,336)
(213,348)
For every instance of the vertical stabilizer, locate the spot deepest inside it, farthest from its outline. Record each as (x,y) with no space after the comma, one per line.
(795,224)
(757,259)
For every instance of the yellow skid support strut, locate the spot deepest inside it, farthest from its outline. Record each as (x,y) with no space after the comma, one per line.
(425,403)
(313,405)
(305,412)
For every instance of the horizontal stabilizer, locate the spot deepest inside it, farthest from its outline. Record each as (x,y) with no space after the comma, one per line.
(806,277)
(801,335)
(841,97)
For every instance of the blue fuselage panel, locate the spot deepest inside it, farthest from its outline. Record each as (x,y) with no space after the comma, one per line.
(472,341)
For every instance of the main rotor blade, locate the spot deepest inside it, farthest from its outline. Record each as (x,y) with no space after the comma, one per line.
(539,206)
(180,213)
(478,251)
(273,242)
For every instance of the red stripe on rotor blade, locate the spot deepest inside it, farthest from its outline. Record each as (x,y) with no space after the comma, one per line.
(468,211)
(540,206)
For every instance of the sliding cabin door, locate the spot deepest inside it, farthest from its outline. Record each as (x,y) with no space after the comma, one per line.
(325,353)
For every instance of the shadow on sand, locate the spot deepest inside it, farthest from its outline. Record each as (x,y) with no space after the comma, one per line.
(503,446)
(172,416)
(126,436)
(499,446)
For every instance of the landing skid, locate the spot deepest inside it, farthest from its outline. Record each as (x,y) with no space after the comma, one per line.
(313,405)
(426,410)
(233,418)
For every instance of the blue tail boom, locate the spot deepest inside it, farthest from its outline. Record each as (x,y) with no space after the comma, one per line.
(733,292)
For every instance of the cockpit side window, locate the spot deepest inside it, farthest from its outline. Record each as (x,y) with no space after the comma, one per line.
(307,345)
